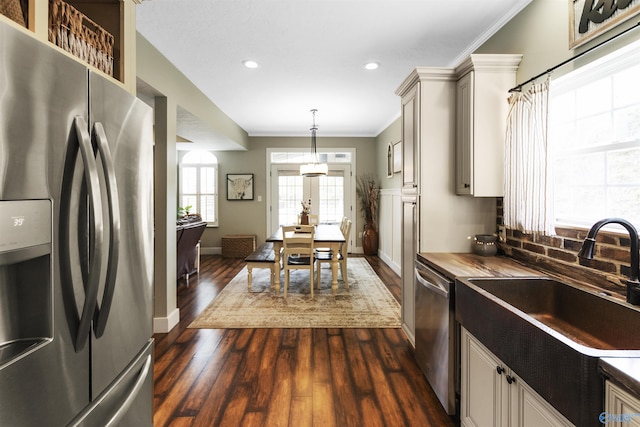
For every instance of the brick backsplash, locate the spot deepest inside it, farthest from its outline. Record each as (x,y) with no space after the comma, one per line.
(558,255)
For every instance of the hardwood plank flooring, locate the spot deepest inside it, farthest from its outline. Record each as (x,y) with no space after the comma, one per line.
(286,377)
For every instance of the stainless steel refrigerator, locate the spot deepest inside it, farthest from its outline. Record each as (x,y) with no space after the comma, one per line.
(76,242)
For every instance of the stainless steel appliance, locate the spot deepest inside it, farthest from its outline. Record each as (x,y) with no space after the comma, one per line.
(76,243)
(436,340)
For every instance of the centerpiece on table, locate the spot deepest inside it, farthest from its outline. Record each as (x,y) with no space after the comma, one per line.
(304,214)
(369,194)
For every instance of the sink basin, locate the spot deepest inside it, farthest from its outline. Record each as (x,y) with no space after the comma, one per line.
(551,334)
(580,317)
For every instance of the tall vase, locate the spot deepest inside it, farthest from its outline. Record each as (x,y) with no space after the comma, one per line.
(304,219)
(370,239)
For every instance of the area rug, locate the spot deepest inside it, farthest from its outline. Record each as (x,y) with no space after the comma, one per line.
(367,304)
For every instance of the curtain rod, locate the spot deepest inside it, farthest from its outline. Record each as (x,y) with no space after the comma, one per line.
(550,70)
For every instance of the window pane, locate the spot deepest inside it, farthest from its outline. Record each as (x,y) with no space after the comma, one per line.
(624,202)
(305,156)
(207,180)
(207,208)
(594,130)
(189,201)
(626,123)
(594,98)
(197,157)
(626,87)
(189,182)
(622,167)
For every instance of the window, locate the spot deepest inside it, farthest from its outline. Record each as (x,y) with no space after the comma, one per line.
(594,134)
(199,185)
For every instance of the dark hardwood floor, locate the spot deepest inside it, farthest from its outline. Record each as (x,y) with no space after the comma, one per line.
(285,377)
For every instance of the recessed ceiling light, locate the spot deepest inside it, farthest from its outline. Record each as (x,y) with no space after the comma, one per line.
(250,64)
(371,66)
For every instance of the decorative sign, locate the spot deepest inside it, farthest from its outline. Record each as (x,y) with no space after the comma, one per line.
(590,18)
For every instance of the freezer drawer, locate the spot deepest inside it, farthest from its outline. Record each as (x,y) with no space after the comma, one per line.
(128,399)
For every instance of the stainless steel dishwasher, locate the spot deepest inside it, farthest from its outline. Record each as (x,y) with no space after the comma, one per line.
(436,334)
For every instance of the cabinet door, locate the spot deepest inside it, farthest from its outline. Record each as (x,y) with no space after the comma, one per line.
(528,409)
(464,134)
(481,388)
(409,251)
(410,138)
(620,407)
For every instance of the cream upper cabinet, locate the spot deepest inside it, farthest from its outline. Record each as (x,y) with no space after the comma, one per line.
(620,407)
(482,92)
(410,140)
(492,395)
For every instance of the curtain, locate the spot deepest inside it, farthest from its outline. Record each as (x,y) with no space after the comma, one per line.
(528,196)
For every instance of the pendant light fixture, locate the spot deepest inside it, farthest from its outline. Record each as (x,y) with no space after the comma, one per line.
(314,168)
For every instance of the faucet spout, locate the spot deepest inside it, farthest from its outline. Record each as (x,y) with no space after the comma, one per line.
(588,248)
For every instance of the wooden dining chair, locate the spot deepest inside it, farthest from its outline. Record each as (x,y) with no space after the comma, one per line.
(298,252)
(342,257)
(343,224)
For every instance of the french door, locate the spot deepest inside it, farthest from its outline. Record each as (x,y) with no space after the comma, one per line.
(330,195)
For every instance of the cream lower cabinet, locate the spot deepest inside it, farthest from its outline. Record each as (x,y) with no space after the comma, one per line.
(620,407)
(494,396)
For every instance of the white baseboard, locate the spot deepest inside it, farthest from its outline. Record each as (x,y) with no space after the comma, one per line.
(392,265)
(162,325)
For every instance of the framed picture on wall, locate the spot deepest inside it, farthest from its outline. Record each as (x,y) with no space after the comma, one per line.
(390,160)
(240,186)
(397,157)
(588,18)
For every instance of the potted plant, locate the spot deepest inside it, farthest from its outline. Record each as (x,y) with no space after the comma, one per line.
(369,194)
(304,213)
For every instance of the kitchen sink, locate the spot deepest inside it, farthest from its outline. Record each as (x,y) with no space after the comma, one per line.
(551,334)
(580,317)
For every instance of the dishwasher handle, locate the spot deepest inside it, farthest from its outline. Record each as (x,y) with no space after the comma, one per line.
(431,284)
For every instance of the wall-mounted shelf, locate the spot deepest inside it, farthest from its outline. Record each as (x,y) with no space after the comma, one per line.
(108,22)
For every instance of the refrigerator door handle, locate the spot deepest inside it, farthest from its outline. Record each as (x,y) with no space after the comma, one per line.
(102,311)
(93,190)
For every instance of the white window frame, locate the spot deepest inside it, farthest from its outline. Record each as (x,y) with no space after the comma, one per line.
(609,65)
(197,195)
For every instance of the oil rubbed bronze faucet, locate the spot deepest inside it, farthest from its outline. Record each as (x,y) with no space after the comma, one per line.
(588,246)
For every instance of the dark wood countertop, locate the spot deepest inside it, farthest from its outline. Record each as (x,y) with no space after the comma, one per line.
(624,371)
(455,265)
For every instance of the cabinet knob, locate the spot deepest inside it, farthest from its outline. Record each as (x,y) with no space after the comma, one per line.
(467,185)
(499,370)
(511,379)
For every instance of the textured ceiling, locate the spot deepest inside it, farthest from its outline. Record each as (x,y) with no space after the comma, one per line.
(311,54)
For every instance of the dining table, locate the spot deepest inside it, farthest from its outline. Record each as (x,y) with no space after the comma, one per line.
(325,236)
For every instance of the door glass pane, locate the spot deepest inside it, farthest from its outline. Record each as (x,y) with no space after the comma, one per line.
(289,198)
(331,193)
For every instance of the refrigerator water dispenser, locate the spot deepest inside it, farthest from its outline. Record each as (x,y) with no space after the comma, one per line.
(26,302)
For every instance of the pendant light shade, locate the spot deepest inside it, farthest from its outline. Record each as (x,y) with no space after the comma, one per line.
(314,168)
